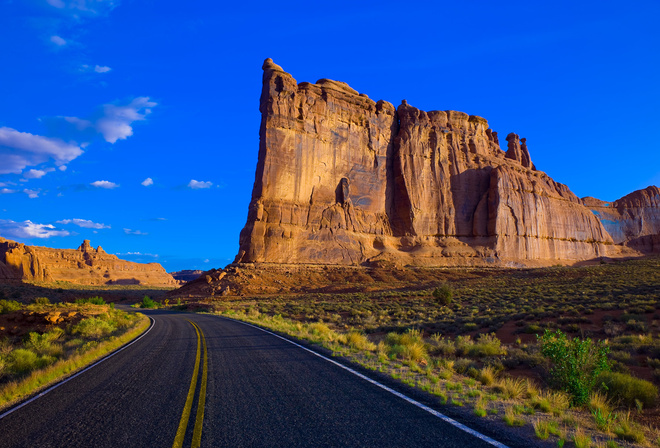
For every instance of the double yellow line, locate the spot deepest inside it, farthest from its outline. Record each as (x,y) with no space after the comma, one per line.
(185,416)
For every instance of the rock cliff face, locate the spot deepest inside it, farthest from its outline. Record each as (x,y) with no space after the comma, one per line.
(342,179)
(633,220)
(85,266)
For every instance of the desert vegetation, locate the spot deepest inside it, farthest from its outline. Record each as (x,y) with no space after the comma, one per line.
(571,353)
(42,342)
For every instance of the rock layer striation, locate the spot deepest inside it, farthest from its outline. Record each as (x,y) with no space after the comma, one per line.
(85,266)
(342,179)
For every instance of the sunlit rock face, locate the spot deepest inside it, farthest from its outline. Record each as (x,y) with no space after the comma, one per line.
(84,266)
(342,179)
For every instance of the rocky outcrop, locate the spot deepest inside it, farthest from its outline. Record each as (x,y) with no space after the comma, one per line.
(342,179)
(633,220)
(85,266)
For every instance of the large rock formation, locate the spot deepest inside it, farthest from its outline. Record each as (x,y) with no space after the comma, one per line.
(633,220)
(342,179)
(85,266)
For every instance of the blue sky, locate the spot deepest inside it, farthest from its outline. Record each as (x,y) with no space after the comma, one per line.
(134,123)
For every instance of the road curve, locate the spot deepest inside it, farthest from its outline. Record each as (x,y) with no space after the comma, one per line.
(260,391)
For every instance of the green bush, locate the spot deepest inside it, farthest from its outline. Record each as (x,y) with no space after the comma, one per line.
(627,389)
(7,306)
(576,363)
(41,301)
(92,300)
(443,294)
(93,327)
(148,303)
(23,361)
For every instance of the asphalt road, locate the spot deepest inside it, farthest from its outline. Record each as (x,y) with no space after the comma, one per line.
(260,391)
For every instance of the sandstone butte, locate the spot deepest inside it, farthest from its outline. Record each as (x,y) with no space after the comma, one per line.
(84,266)
(345,180)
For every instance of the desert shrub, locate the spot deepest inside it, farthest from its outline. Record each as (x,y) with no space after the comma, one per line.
(486,345)
(41,301)
(487,375)
(42,344)
(576,363)
(92,300)
(147,302)
(581,439)
(320,331)
(462,365)
(511,419)
(541,429)
(443,294)
(93,327)
(22,361)
(7,306)
(627,389)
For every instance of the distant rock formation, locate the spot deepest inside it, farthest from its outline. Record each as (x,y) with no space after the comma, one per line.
(85,266)
(342,179)
(186,275)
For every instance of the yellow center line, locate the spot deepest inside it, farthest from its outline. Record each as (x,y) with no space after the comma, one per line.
(183,424)
(197,432)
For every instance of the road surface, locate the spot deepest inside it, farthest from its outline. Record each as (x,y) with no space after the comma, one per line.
(257,391)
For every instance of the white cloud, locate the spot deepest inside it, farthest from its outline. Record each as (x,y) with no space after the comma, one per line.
(7,191)
(21,149)
(37,174)
(32,194)
(197,184)
(84,223)
(57,40)
(134,232)
(29,229)
(114,121)
(148,181)
(63,168)
(102,69)
(104,184)
(88,6)
(137,253)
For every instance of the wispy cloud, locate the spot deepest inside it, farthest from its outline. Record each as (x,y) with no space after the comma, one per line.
(198,184)
(84,223)
(94,7)
(134,232)
(148,181)
(102,69)
(104,184)
(29,229)
(57,40)
(7,191)
(114,120)
(21,149)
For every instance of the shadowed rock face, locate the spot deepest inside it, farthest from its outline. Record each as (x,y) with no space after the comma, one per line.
(85,266)
(342,179)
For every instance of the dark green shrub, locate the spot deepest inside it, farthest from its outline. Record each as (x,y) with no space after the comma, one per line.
(93,327)
(23,361)
(41,301)
(627,389)
(443,294)
(148,303)
(7,306)
(576,363)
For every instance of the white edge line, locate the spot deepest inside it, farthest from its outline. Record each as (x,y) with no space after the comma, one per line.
(55,386)
(382,386)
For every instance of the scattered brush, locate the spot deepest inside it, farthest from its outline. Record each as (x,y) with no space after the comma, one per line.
(541,429)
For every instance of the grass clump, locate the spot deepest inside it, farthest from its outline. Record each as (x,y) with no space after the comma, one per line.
(581,439)
(511,419)
(628,430)
(627,389)
(541,429)
(576,363)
